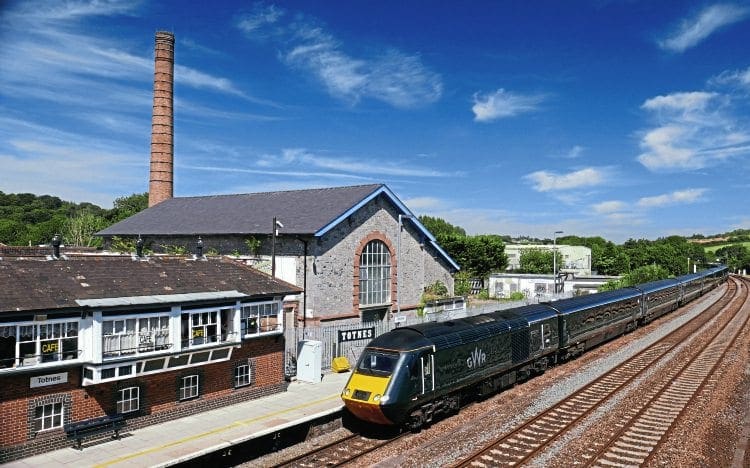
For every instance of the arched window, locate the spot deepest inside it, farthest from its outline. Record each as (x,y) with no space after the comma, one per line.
(375,274)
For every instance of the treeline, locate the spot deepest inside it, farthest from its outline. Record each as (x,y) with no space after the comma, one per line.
(733,237)
(28,219)
(641,259)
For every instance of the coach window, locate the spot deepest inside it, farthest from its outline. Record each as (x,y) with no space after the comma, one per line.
(375,274)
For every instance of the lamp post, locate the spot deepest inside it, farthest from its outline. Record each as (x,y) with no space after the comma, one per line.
(401,218)
(554,258)
(274,232)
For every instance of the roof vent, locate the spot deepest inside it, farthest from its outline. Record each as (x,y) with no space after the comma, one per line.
(139,247)
(199,248)
(56,247)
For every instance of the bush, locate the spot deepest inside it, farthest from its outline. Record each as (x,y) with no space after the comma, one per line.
(517,296)
(462,286)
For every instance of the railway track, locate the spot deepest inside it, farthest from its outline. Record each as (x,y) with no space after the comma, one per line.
(340,452)
(642,433)
(531,438)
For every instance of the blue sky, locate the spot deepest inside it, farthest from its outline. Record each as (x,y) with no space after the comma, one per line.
(622,119)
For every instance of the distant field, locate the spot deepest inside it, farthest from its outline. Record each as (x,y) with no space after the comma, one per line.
(714,248)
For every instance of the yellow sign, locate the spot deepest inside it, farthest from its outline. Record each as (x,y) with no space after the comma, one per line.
(197,333)
(49,348)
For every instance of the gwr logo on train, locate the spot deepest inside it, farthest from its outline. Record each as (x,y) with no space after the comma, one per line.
(476,359)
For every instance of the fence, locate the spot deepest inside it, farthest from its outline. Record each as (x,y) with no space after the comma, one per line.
(329,335)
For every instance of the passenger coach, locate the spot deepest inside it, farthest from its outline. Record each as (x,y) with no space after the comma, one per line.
(412,374)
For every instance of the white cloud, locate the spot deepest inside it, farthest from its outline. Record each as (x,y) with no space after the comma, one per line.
(261,17)
(424,203)
(575,152)
(545,181)
(356,166)
(607,207)
(502,104)
(693,130)
(70,163)
(663,152)
(680,102)
(739,78)
(694,30)
(82,63)
(394,77)
(677,197)
(43,11)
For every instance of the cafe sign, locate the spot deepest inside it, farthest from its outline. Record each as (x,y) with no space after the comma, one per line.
(51,379)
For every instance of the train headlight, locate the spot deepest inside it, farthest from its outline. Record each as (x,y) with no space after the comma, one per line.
(380,399)
(347,392)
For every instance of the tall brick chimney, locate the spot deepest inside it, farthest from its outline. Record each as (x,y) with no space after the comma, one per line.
(160,184)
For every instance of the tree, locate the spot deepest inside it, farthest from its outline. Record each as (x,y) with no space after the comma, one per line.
(735,257)
(440,227)
(479,255)
(79,230)
(125,207)
(640,275)
(607,258)
(538,261)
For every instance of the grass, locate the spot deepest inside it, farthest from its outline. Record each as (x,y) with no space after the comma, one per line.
(712,249)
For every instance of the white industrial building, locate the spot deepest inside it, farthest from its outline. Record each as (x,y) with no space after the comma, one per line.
(575,259)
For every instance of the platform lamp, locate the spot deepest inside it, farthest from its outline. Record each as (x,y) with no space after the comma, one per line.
(401,218)
(274,232)
(554,258)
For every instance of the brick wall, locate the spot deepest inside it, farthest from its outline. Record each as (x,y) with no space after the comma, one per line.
(158,396)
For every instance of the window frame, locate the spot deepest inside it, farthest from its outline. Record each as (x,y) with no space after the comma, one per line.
(123,400)
(375,274)
(243,379)
(39,421)
(142,343)
(48,340)
(189,387)
(261,318)
(207,326)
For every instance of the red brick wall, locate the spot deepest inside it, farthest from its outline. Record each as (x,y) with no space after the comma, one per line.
(158,399)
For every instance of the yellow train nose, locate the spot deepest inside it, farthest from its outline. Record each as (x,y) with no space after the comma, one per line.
(363,396)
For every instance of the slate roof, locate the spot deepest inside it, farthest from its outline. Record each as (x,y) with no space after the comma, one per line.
(33,284)
(305,212)
(301,212)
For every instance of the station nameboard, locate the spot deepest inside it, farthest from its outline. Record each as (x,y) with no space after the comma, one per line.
(355,335)
(50,379)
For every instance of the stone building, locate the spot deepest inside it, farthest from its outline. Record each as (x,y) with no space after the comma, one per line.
(357,252)
(148,338)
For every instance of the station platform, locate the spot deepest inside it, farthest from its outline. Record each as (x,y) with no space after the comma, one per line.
(190,438)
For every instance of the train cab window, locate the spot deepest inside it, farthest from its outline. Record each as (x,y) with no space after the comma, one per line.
(377,363)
